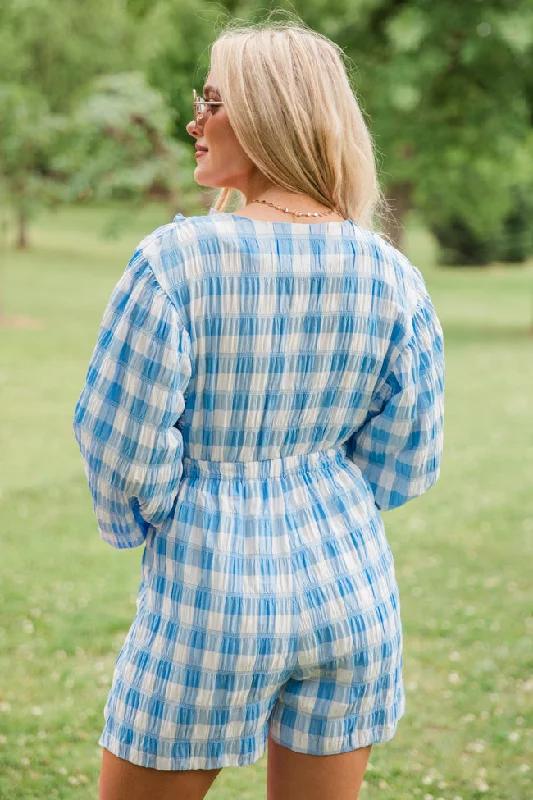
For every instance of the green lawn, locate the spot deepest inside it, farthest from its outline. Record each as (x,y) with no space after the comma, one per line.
(462,552)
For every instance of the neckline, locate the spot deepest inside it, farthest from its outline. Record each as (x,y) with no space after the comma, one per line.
(333,225)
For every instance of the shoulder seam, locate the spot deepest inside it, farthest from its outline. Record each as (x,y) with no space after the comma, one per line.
(163,291)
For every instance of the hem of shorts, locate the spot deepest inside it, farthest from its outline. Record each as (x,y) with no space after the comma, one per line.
(352,743)
(142,758)
(355,741)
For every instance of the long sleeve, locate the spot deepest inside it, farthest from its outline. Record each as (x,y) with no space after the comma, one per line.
(399,446)
(125,417)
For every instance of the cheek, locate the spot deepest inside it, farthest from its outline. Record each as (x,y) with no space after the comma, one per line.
(223,144)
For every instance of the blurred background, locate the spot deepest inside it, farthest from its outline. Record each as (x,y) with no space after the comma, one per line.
(94,99)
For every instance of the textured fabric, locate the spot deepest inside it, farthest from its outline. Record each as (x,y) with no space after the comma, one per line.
(258,393)
(133,395)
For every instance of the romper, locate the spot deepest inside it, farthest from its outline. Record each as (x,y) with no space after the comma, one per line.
(258,393)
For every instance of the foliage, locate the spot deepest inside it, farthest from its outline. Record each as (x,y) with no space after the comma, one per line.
(446,89)
(76,122)
(48,53)
(518,227)
(56,48)
(118,145)
(510,242)
(181,61)
(27,135)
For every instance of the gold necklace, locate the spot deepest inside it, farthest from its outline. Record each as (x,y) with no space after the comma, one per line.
(295,213)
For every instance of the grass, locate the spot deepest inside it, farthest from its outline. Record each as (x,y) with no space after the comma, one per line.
(462,552)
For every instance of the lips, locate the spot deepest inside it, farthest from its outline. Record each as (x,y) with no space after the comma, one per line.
(200,148)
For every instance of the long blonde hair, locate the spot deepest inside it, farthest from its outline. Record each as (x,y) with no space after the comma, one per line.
(290,104)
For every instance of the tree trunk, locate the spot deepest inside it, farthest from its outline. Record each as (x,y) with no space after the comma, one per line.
(399,197)
(22,232)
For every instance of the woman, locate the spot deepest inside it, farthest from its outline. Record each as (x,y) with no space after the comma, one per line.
(264,383)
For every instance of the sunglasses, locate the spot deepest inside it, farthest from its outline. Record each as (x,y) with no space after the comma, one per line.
(202,108)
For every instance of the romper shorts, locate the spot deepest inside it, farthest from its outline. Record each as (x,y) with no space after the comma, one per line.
(268,604)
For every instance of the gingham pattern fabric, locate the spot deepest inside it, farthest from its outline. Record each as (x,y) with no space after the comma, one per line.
(257,394)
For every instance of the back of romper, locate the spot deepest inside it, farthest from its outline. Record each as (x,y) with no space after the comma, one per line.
(306,337)
(238,348)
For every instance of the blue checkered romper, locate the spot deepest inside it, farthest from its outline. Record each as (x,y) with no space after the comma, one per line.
(258,393)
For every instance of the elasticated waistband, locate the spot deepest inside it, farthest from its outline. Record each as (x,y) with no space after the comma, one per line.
(264,469)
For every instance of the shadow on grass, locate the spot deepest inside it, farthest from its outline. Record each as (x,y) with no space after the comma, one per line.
(479,334)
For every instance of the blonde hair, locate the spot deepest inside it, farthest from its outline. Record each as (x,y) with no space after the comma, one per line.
(290,104)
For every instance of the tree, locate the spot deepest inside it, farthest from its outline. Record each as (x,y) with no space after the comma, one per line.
(27,130)
(48,54)
(117,144)
(181,60)
(56,48)
(444,86)
(444,89)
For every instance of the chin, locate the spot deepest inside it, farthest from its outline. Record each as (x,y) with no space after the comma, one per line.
(203,178)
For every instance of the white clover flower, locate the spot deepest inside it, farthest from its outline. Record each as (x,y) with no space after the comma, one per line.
(27,626)
(454,655)
(476,747)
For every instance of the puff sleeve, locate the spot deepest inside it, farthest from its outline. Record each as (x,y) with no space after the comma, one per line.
(399,447)
(125,417)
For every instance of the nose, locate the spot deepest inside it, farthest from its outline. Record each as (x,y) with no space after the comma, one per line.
(192,128)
